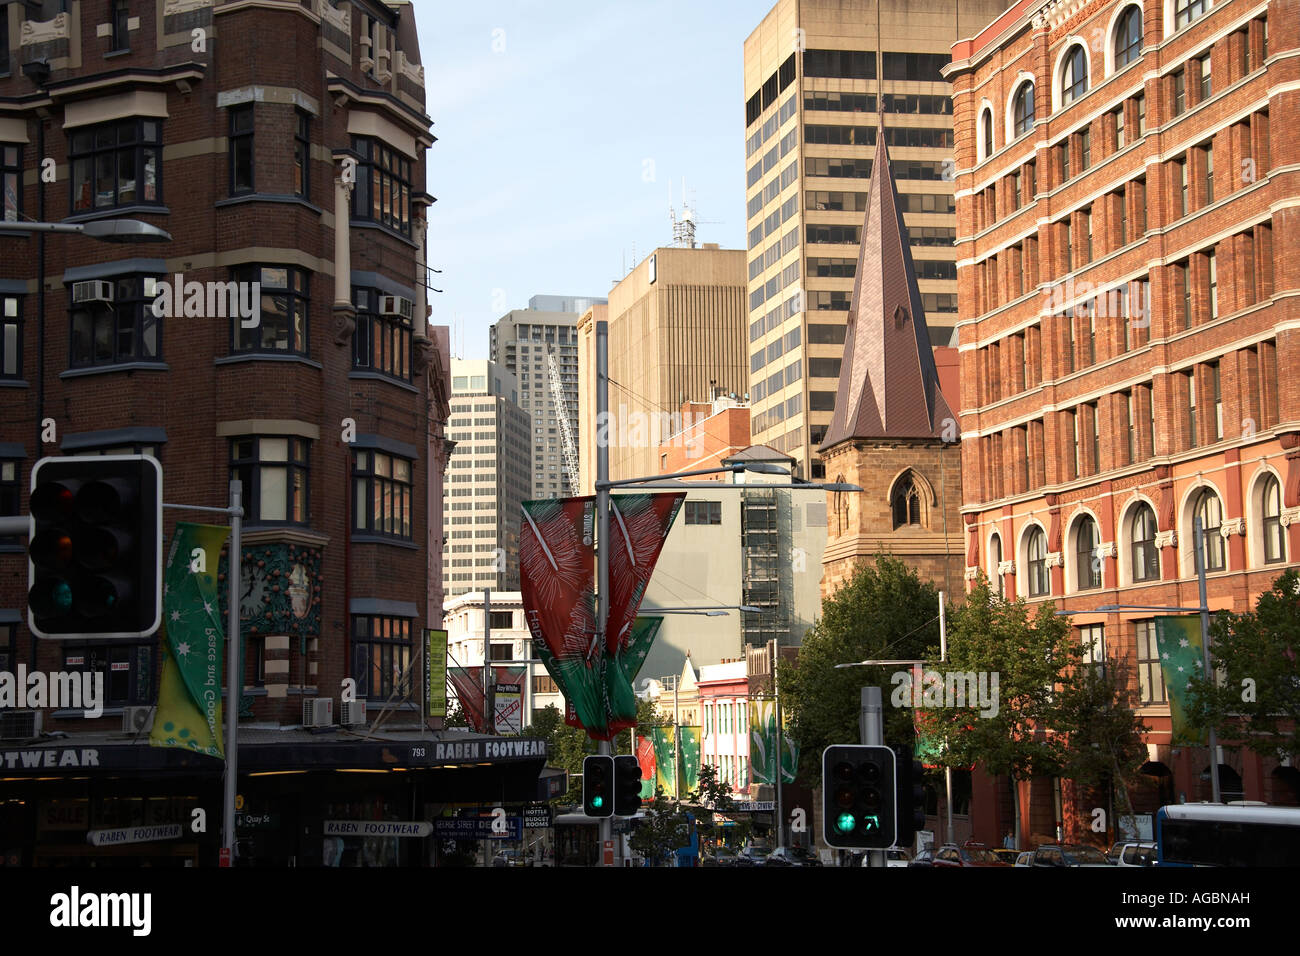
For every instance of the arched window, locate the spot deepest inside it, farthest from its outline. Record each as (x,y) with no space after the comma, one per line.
(1023,110)
(1039,582)
(1210,511)
(1271,513)
(1128,37)
(995,559)
(1087,564)
(841,508)
(906,504)
(986,132)
(1142,541)
(1074,75)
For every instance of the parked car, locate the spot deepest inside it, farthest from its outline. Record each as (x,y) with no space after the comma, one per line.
(792,856)
(1067,854)
(719,856)
(892,858)
(1132,853)
(1025,859)
(969,853)
(924,858)
(755,855)
(1006,856)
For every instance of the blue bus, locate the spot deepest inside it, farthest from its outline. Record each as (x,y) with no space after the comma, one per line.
(1231,834)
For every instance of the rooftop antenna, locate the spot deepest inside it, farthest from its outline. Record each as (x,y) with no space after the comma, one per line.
(683,228)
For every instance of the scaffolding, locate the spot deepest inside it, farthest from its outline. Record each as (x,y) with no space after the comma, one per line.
(767,577)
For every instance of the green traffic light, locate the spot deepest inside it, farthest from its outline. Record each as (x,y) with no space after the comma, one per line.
(597,802)
(62,595)
(846,822)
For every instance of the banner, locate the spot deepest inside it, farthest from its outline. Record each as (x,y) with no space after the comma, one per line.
(688,745)
(435,673)
(763,745)
(467,684)
(645,756)
(189,706)
(1178,640)
(665,744)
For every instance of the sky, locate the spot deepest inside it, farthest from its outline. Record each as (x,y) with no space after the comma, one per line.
(560,127)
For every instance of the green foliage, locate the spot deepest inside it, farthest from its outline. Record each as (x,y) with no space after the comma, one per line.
(661,831)
(1256,659)
(885,611)
(714,796)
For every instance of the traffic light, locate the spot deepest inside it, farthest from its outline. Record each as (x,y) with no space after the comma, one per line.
(95,547)
(909,806)
(598,786)
(627,786)
(858,794)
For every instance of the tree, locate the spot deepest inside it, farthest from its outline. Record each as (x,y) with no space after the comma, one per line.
(661,830)
(885,611)
(714,796)
(1255,696)
(1022,737)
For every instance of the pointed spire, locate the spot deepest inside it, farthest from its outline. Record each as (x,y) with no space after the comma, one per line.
(889,387)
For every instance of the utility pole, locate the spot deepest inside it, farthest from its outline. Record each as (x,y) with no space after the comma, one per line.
(871,730)
(602,526)
(1199,531)
(780,743)
(947,771)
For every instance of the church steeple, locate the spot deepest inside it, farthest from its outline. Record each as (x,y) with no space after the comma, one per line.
(888,387)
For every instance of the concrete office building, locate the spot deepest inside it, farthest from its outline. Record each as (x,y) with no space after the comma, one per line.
(488,478)
(1129,288)
(525,341)
(811,98)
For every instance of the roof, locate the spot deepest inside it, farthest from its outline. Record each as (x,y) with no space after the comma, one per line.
(889,386)
(758,453)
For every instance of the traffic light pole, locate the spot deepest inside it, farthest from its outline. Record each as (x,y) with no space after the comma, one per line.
(871,731)
(602,523)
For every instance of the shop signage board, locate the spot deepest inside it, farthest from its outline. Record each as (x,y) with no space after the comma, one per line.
(537,818)
(122,835)
(378,828)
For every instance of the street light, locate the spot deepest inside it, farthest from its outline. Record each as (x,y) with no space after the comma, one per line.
(106,230)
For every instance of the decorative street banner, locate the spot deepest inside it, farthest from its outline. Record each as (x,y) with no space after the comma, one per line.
(435,673)
(688,742)
(763,744)
(189,692)
(665,744)
(645,756)
(929,745)
(1179,642)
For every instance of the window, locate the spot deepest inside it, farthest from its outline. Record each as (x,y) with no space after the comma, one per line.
(1093,638)
(11,178)
(241,149)
(123,330)
(1085,148)
(382,486)
(1180,92)
(1185,11)
(1217,386)
(986,127)
(995,560)
(703,512)
(128,670)
(1023,109)
(1130,412)
(1128,37)
(383,190)
(381,655)
(274,470)
(11,337)
(1271,521)
(1214,284)
(1150,680)
(1074,76)
(1142,543)
(381,343)
(1210,511)
(1039,582)
(1087,563)
(120,14)
(116,164)
(284,305)
(1119,128)
(1185,283)
(11,472)
(1140,110)
(1207,84)
(302,154)
(1191,408)
(1063,160)
(906,504)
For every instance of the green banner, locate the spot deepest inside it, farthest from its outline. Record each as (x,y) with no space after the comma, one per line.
(435,673)
(763,745)
(189,692)
(689,743)
(1178,640)
(665,741)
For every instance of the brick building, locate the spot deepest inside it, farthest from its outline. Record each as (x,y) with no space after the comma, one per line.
(1126,194)
(283,144)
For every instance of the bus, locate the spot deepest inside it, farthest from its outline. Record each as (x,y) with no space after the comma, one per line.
(1218,834)
(577,841)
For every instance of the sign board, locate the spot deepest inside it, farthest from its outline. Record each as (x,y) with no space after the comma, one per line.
(119,836)
(608,853)
(758,806)
(435,673)
(256,821)
(537,818)
(224,856)
(477,828)
(509,709)
(378,828)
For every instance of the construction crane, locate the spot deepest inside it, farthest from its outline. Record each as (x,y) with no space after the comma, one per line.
(566,433)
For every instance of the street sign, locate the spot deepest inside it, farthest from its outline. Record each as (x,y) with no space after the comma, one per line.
(121,835)
(537,818)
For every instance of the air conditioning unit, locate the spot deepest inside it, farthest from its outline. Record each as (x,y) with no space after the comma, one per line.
(318,712)
(137,720)
(92,290)
(19,724)
(352,712)
(396,305)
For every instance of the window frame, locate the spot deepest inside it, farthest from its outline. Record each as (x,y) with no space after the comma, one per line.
(397,331)
(1269,522)
(1151,681)
(11,496)
(240,139)
(132,651)
(1084,557)
(120,33)
(380,641)
(1149,568)
(142,127)
(256,272)
(302,153)
(1203,506)
(11,181)
(1074,75)
(1038,579)
(1187,12)
(249,469)
(387,493)
(1023,109)
(143,322)
(379,169)
(14,304)
(1125,46)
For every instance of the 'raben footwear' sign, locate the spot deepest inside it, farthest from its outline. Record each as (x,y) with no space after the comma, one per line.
(378,828)
(119,836)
